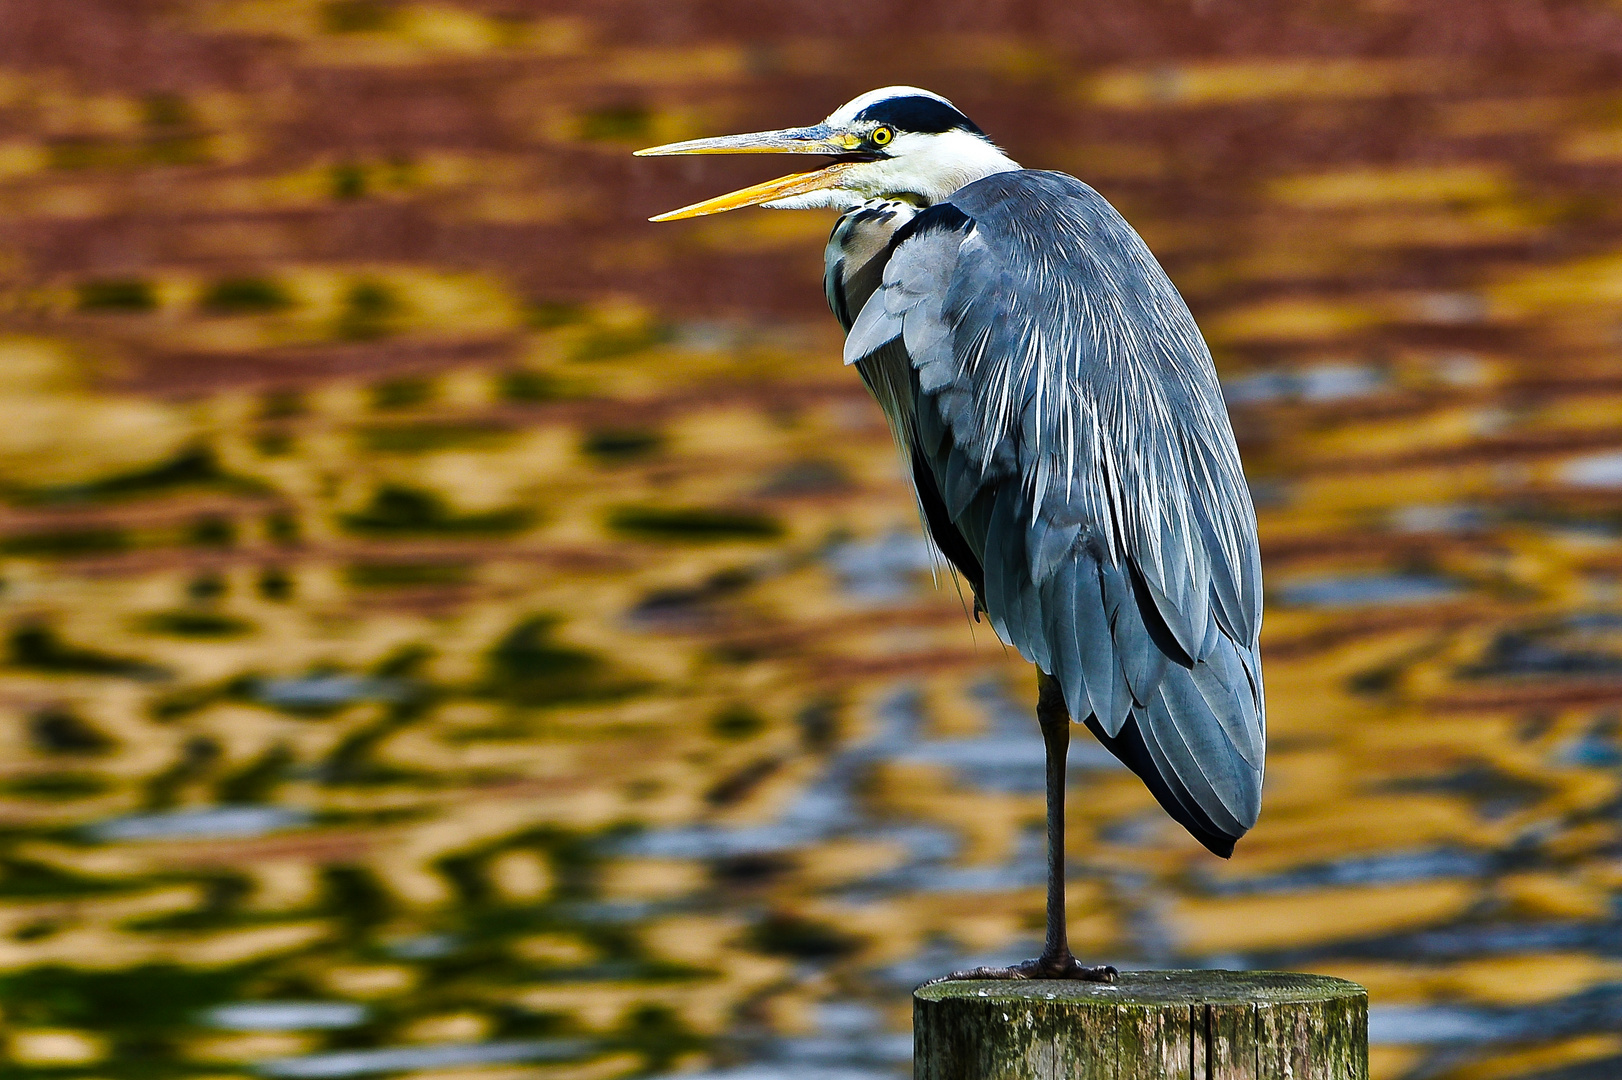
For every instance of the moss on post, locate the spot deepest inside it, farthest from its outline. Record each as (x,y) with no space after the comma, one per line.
(1150,1025)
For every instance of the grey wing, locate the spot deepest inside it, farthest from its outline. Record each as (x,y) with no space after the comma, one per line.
(1070,415)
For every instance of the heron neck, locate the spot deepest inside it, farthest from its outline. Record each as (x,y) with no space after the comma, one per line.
(937,165)
(957,159)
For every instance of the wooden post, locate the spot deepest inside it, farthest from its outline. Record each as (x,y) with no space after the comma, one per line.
(1149,1025)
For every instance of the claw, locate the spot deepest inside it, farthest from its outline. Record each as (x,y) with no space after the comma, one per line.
(1067,967)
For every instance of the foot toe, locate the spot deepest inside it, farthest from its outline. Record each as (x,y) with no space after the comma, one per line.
(1068,968)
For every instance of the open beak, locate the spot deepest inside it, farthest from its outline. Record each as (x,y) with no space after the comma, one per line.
(820,139)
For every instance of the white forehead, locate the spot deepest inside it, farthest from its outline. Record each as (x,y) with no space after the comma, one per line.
(847,112)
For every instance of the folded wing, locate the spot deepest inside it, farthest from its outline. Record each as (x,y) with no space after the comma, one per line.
(1066,423)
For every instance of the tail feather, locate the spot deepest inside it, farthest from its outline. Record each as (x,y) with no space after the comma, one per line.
(1132,750)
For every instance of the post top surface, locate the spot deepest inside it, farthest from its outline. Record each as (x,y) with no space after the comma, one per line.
(1154,988)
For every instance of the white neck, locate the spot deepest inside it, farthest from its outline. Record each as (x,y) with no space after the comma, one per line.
(925,168)
(934,166)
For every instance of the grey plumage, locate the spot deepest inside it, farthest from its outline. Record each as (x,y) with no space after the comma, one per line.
(1073,459)
(1060,417)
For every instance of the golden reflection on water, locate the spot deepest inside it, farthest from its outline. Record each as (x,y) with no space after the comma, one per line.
(497,631)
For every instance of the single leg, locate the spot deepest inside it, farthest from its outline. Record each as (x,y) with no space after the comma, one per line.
(1056,961)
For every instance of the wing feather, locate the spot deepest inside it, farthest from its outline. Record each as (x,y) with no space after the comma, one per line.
(1068,414)
(1142,659)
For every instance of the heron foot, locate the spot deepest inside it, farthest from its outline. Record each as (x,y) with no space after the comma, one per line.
(1043,967)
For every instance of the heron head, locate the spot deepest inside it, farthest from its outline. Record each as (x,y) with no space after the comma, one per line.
(896,143)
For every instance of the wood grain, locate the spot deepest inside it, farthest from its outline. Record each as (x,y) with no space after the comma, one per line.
(1153,1025)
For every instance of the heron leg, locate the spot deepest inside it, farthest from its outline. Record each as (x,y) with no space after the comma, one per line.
(1056,961)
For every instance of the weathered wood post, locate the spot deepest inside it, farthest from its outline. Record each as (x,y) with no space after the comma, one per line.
(1149,1025)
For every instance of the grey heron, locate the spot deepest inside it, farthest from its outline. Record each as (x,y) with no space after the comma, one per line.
(1059,414)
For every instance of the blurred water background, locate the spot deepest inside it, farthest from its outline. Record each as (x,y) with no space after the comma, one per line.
(453,628)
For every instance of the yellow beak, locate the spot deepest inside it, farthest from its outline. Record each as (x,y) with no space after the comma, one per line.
(770,191)
(820,139)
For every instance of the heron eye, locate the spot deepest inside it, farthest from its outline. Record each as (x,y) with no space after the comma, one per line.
(882,135)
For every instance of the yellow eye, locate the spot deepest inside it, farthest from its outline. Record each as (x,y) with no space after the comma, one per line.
(882,135)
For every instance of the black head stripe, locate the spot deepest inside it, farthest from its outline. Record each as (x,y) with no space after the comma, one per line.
(921,114)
